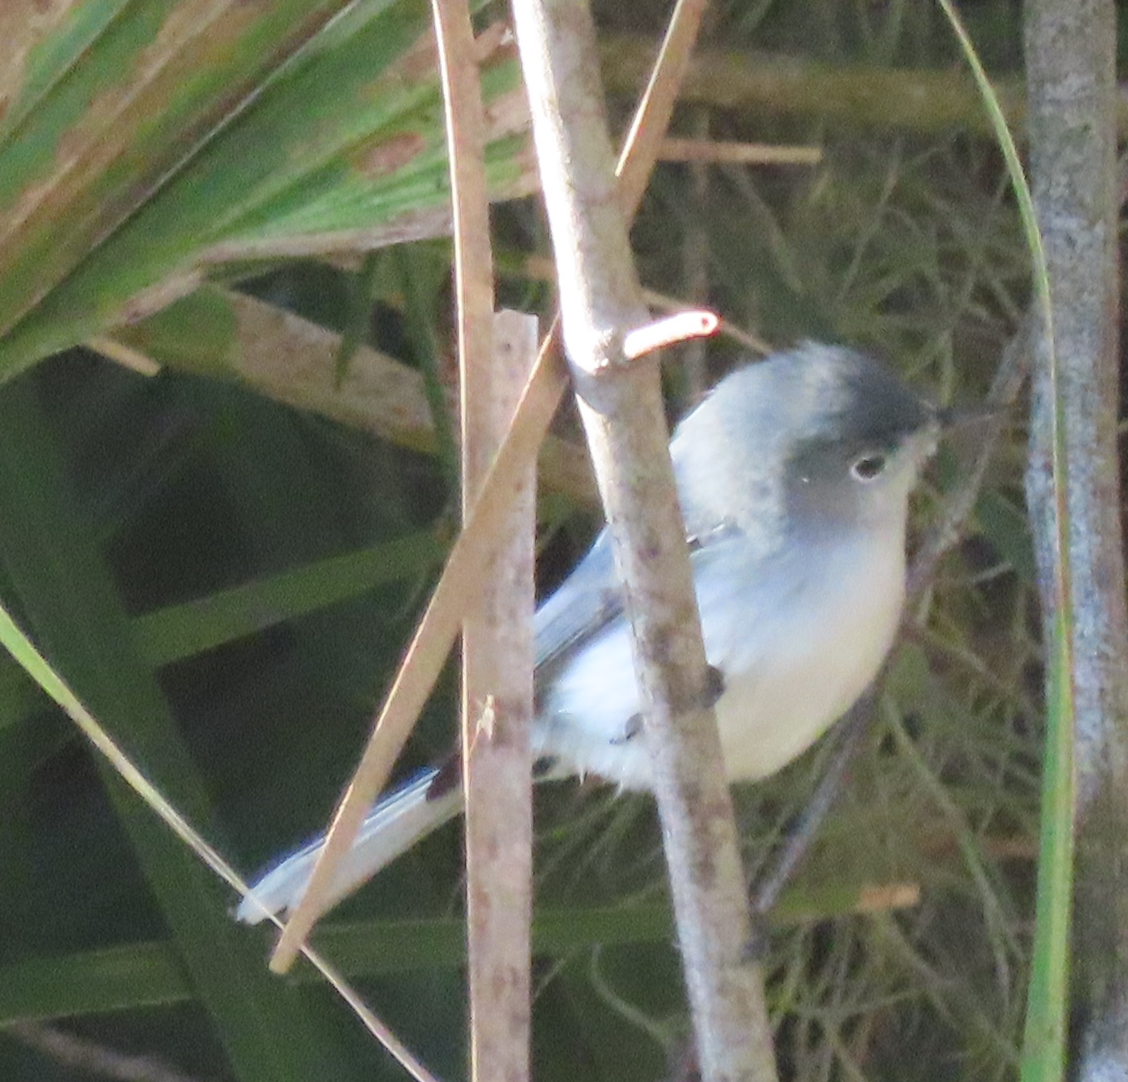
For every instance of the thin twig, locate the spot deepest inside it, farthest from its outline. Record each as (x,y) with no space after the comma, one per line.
(849,739)
(126,356)
(711,150)
(670,331)
(93,1057)
(1014,366)
(536,266)
(652,117)
(694,375)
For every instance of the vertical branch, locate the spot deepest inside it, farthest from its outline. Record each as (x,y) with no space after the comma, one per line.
(1071,73)
(695,259)
(621,407)
(695,244)
(459,589)
(497,707)
(497,646)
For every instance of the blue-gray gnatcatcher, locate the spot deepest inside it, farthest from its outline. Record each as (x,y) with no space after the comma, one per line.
(794,477)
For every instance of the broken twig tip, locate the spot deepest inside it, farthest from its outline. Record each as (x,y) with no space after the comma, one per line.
(680,327)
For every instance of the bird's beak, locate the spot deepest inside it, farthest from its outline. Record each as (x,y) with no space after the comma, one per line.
(956,417)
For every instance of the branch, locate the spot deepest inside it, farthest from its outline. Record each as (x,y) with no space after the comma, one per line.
(621,407)
(1071,72)
(497,637)
(497,710)
(914,99)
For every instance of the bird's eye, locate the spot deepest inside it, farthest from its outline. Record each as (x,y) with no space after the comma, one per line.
(869,466)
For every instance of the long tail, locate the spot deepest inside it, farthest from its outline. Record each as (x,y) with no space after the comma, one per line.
(392,827)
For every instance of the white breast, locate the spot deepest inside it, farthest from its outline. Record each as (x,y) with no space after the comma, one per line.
(827,648)
(797,647)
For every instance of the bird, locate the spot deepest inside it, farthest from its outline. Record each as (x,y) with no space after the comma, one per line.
(794,476)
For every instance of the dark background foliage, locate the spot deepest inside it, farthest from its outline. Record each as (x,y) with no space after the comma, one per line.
(902,240)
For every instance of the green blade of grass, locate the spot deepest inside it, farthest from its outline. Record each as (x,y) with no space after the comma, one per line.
(1047,1011)
(149,973)
(184,630)
(65,593)
(181,631)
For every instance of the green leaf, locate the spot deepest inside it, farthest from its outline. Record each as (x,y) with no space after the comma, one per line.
(202,132)
(68,598)
(183,630)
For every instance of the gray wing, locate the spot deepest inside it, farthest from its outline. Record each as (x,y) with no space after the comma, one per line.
(591,598)
(586,601)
